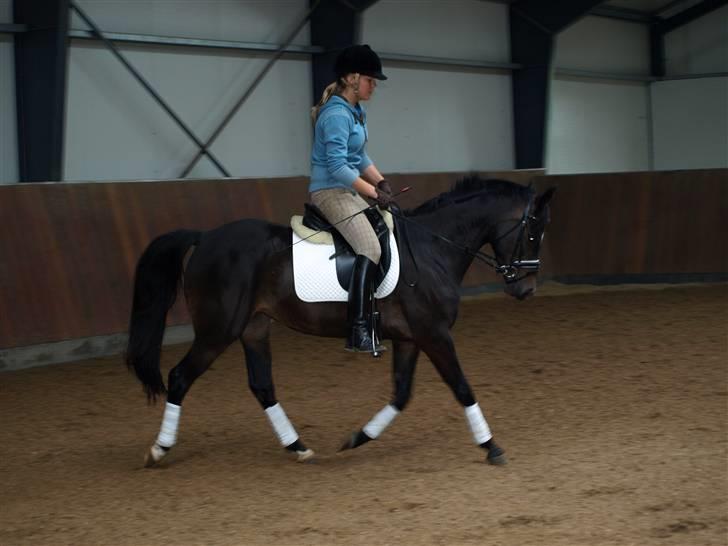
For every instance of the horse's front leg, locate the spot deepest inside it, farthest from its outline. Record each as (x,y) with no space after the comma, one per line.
(404,360)
(256,344)
(441,351)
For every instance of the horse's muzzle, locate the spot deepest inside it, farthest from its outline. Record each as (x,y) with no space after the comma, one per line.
(523,288)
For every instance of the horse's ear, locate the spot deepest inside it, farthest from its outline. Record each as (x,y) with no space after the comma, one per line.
(543,199)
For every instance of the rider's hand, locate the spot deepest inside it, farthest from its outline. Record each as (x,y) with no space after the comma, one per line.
(384,186)
(384,199)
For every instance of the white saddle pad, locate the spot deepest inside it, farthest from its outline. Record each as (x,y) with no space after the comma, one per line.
(314,275)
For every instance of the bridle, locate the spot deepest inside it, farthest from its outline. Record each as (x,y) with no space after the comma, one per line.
(516,269)
(511,270)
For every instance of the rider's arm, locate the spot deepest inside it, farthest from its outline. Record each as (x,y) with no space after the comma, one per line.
(336,138)
(372,175)
(364,188)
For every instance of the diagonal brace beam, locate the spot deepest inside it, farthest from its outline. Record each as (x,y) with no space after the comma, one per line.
(144,83)
(249,91)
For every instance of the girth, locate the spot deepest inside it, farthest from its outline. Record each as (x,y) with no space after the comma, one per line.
(314,219)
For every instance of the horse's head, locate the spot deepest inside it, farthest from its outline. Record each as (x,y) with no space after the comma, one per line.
(517,246)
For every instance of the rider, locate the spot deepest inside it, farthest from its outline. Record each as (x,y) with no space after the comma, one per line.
(342,174)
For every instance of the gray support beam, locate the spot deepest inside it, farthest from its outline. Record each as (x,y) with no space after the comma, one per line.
(10,28)
(334,26)
(533,26)
(41,54)
(175,41)
(623,14)
(690,14)
(532,48)
(660,27)
(657,51)
(610,12)
(554,17)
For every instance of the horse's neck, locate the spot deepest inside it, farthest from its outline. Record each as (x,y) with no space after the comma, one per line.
(467,227)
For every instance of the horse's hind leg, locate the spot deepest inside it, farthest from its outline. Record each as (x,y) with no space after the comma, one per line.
(404,360)
(441,351)
(256,344)
(197,360)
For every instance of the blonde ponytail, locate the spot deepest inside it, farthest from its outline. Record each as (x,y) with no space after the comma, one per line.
(325,96)
(336,87)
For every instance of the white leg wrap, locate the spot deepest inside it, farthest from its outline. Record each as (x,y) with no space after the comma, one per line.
(380,421)
(281,425)
(170,423)
(478,426)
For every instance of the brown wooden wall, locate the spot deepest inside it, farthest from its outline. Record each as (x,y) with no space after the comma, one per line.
(644,223)
(68,251)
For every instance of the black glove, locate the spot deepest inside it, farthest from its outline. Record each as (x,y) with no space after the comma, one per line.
(384,199)
(384,186)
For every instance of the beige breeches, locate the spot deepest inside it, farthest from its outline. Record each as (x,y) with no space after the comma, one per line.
(337,204)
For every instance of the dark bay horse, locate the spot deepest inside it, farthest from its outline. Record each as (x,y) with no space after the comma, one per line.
(239,278)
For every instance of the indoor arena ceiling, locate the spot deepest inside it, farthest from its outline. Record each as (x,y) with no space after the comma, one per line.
(660,8)
(639,10)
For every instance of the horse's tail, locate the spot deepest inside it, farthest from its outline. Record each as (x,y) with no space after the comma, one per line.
(158,273)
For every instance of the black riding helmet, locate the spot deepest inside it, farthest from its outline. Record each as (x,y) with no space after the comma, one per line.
(360,59)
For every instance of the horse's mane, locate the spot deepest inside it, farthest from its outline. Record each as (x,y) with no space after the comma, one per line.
(471,186)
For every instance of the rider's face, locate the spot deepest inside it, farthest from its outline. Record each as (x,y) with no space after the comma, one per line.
(366,87)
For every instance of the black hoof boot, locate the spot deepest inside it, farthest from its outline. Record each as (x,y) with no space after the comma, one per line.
(496,455)
(300,451)
(355,440)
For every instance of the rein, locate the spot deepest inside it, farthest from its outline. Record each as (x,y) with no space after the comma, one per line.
(509,271)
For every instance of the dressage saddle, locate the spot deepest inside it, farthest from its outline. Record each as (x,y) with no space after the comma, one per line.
(314,219)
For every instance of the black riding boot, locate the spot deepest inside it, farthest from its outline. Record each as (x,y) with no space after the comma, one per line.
(360,295)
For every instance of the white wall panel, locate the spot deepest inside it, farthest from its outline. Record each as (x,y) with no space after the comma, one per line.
(700,47)
(461,29)
(435,118)
(597,126)
(599,44)
(8,123)
(269,136)
(237,20)
(691,123)
(114,129)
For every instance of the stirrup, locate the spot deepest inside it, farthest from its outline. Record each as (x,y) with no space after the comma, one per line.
(361,348)
(366,343)
(374,350)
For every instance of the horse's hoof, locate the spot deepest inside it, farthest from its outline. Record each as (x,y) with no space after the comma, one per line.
(350,442)
(356,439)
(496,456)
(154,455)
(304,456)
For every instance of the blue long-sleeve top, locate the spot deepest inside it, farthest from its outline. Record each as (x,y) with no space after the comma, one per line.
(339,145)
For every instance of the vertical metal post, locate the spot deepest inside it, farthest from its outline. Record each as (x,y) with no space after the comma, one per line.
(534,25)
(40,77)
(335,26)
